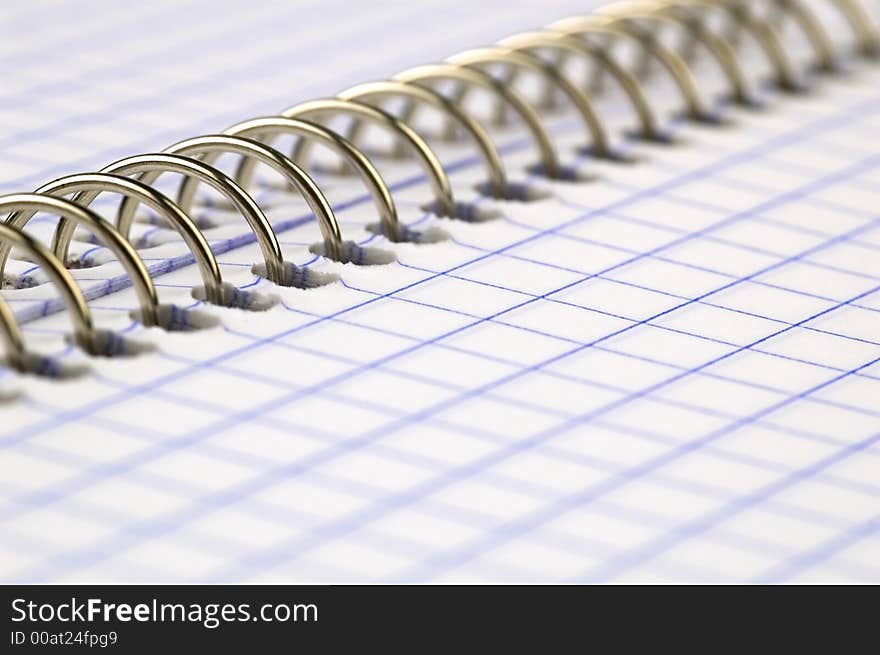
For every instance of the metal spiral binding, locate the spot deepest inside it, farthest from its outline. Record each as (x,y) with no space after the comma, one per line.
(11,237)
(543,53)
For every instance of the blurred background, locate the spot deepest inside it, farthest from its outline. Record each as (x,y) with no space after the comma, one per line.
(87,82)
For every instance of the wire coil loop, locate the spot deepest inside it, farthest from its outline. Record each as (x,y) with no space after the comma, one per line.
(444,87)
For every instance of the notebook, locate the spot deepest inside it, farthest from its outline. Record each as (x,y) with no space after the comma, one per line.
(622,360)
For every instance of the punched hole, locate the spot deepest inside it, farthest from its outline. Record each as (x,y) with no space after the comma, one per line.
(517,191)
(27,279)
(353,253)
(711,117)
(466,211)
(569,174)
(234,298)
(50,367)
(91,258)
(299,277)
(799,87)
(200,218)
(753,101)
(9,394)
(614,156)
(106,343)
(177,319)
(431,234)
(661,137)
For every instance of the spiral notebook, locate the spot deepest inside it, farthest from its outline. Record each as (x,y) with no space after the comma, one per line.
(597,303)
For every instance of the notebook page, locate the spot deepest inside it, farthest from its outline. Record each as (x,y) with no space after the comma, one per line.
(662,374)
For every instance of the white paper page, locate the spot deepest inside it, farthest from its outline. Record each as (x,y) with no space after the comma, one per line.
(665,372)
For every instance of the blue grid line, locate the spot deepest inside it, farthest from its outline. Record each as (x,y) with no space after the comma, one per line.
(242,73)
(174,263)
(744,247)
(123,281)
(677,535)
(405,375)
(667,329)
(824,551)
(662,292)
(476,519)
(267,20)
(225,497)
(644,288)
(494,478)
(676,262)
(797,229)
(458,514)
(829,179)
(89,31)
(535,407)
(452,348)
(640,471)
(748,185)
(853,113)
(462,472)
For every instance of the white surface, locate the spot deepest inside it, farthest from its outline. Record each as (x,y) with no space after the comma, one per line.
(666,374)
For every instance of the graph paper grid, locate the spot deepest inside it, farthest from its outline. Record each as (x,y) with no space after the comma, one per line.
(667,373)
